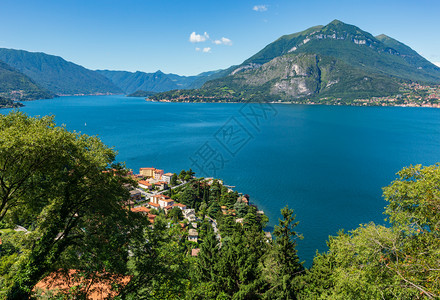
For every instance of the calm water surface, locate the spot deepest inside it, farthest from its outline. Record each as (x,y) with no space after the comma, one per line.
(329,163)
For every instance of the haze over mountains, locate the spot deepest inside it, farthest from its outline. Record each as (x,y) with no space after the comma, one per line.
(336,60)
(131,82)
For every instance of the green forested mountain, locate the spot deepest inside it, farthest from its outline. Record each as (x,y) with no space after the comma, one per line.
(355,47)
(131,82)
(337,61)
(56,74)
(17,86)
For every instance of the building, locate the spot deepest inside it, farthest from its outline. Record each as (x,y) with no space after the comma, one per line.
(156,198)
(161,185)
(163,202)
(167,177)
(141,209)
(193,235)
(153,205)
(189,214)
(180,205)
(147,172)
(157,174)
(135,195)
(145,185)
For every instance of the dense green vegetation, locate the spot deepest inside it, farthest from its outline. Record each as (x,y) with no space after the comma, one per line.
(16,86)
(69,197)
(56,74)
(7,103)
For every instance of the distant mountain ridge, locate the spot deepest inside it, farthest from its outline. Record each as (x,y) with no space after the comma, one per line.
(130,82)
(17,86)
(337,61)
(56,74)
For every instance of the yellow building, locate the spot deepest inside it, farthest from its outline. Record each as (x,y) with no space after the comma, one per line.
(147,172)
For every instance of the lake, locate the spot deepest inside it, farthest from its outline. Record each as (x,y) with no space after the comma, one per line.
(329,163)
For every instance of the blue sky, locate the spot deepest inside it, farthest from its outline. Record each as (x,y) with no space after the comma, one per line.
(151,35)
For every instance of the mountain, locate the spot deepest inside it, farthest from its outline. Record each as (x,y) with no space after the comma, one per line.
(130,82)
(336,60)
(17,86)
(354,46)
(56,74)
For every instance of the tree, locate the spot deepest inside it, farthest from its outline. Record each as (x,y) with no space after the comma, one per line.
(182,174)
(175,214)
(399,262)
(173,180)
(282,264)
(63,187)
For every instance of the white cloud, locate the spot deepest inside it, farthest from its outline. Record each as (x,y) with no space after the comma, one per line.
(223,41)
(437,64)
(198,38)
(206,50)
(198,49)
(260,8)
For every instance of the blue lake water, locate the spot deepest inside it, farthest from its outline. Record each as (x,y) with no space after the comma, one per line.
(329,163)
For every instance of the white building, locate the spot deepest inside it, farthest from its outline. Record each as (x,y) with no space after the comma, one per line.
(167,177)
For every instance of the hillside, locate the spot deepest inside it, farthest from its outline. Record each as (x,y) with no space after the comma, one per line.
(56,74)
(130,82)
(16,86)
(292,77)
(353,46)
(333,61)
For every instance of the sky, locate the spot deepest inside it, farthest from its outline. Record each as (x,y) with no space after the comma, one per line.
(194,36)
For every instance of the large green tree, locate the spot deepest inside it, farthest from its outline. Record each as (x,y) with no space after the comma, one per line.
(63,187)
(401,261)
(282,264)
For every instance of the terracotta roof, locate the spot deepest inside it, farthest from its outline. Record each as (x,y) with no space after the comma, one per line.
(195,252)
(179,204)
(144,182)
(140,209)
(100,288)
(147,168)
(153,204)
(168,174)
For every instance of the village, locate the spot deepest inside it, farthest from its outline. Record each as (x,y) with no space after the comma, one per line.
(151,197)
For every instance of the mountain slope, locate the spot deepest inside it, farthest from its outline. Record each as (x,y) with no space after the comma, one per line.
(56,74)
(292,77)
(354,46)
(131,82)
(333,61)
(17,86)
